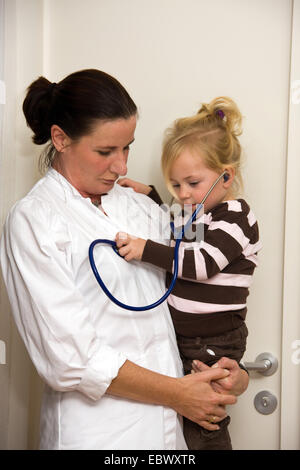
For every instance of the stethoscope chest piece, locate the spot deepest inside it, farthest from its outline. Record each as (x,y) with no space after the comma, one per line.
(178,236)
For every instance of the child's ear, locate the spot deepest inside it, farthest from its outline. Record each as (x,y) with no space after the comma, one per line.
(228,176)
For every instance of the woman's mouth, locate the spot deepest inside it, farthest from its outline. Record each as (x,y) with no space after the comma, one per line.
(109,181)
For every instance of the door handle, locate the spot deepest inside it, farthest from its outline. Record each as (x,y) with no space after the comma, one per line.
(265,364)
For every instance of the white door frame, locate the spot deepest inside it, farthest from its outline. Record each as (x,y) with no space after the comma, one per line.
(290,385)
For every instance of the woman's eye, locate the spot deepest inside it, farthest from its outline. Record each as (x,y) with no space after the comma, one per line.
(107,153)
(194,183)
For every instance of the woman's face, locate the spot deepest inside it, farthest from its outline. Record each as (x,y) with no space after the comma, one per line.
(93,163)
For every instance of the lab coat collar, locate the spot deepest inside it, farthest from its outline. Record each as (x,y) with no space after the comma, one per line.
(70,192)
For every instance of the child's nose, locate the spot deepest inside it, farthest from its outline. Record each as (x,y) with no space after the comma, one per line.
(184,192)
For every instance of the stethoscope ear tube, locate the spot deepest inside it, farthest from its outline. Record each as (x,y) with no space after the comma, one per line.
(110,296)
(178,235)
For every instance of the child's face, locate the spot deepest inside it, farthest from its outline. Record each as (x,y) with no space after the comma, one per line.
(191,180)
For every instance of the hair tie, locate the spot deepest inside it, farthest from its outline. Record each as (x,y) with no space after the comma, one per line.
(220,113)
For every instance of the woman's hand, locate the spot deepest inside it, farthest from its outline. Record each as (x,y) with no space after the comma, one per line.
(235,383)
(130,247)
(207,407)
(191,396)
(135,185)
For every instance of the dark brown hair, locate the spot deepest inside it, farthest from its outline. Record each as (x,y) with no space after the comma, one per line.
(74,104)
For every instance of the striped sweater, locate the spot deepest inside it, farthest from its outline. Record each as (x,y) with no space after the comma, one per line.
(214,274)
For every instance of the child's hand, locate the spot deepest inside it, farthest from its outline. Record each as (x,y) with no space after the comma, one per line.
(135,185)
(130,247)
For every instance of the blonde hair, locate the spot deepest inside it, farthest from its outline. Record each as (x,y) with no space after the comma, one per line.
(213,131)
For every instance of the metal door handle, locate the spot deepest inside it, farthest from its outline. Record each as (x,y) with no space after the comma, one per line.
(265,364)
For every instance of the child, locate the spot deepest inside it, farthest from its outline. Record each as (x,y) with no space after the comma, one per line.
(208,303)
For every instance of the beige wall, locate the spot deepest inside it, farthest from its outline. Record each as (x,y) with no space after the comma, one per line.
(23,62)
(171,55)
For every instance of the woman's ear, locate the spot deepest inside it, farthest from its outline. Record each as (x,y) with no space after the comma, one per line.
(59,138)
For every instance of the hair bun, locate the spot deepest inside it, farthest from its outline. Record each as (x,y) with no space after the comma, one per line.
(37,109)
(223,109)
(219,113)
(232,116)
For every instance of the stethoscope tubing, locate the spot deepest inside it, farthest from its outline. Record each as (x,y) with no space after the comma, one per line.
(178,235)
(114,299)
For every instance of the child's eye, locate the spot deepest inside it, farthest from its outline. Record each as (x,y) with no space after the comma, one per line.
(175,185)
(194,183)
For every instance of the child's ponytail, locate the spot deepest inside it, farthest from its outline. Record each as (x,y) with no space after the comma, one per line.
(214,131)
(224,109)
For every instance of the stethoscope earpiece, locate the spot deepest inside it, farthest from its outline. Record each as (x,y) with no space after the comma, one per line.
(178,236)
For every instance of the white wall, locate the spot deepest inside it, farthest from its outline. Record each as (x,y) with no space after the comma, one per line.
(172,55)
(23,62)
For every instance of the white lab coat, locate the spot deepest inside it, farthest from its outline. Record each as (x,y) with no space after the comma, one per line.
(76,337)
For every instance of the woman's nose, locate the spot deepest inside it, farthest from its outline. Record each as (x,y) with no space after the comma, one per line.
(119,164)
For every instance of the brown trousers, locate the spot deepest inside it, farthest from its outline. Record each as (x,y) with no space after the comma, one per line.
(231,344)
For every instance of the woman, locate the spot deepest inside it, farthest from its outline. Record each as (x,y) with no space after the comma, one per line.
(113,377)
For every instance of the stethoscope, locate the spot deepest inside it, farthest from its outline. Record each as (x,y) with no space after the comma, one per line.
(178,235)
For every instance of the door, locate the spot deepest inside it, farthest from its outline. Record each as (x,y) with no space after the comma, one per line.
(274,303)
